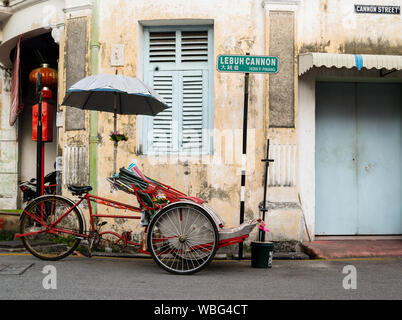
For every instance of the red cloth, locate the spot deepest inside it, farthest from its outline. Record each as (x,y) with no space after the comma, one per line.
(16,105)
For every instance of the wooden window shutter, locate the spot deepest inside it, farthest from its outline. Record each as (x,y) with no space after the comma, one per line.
(194,46)
(177,62)
(162,47)
(194,97)
(162,124)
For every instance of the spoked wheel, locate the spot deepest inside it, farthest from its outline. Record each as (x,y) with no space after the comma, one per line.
(51,243)
(182,238)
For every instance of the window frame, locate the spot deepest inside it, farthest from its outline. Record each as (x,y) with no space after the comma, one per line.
(177,66)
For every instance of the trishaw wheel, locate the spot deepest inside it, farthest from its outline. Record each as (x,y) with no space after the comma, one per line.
(182,238)
(51,244)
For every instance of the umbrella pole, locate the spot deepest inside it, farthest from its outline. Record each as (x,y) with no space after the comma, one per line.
(115,129)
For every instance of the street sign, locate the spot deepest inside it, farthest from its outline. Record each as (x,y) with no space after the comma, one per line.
(247,64)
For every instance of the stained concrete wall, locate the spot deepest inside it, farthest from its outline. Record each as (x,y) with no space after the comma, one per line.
(8,149)
(28,20)
(281,86)
(238,28)
(334,27)
(75,66)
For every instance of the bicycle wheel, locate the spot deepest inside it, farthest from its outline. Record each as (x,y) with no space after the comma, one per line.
(182,238)
(56,242)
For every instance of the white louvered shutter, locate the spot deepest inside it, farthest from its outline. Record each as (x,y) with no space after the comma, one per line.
(162,124)
(176,63)
(162,47)
(194,46)
(194,84)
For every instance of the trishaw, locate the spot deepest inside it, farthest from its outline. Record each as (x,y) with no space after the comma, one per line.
(182,233)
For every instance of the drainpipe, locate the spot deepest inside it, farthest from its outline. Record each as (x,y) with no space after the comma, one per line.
(93,116)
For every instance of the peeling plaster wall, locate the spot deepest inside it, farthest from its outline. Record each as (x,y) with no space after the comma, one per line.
(238,28)
(333,26)
(33,17)
(76,136)
(30,20)
(8,149)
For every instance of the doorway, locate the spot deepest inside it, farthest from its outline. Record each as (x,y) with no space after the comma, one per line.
(34,52)
(358,158)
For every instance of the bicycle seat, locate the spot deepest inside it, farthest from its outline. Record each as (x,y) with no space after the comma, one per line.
(79,190)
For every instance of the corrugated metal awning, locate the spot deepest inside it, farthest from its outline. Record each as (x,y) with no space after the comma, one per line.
(368,61)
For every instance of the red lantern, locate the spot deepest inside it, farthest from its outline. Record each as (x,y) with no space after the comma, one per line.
(49,75)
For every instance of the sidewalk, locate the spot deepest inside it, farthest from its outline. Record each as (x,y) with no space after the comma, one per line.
(333,249)
(17,246)
(322,249)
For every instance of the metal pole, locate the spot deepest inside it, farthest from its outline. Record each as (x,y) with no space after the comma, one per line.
(114,130)
(264,206)
(244,157)
(93,118)
(39,142)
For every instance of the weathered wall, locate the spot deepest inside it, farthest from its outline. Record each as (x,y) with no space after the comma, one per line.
(281,85)
(285,216)
(75,64)
(333,26)
(8,149)
(28,21)
(238,28)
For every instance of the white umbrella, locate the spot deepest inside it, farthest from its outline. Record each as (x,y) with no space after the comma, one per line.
(114,93)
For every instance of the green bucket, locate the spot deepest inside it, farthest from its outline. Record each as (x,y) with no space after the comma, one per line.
(261,254)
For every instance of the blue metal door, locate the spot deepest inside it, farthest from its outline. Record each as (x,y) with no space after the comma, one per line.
(336,188)
(358,159)
(379,176)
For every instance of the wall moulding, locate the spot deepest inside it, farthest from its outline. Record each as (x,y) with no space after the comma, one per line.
(277,5)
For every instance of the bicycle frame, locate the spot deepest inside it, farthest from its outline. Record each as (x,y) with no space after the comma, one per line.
(52,228)
(89,198)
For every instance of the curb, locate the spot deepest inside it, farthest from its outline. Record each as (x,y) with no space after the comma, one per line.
(222,256)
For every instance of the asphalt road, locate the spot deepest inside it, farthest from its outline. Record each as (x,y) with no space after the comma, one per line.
(128,278)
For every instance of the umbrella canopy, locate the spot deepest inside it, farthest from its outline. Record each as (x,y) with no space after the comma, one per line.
(114,93)
(118,94)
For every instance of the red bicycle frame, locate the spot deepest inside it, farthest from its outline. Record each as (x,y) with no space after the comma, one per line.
(124,237)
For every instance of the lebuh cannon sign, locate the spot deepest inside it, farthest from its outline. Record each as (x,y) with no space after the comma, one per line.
(247,64)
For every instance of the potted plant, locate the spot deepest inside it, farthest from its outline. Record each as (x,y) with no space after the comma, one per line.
(116,137)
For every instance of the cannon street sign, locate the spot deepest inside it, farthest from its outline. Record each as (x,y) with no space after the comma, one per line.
(247,64)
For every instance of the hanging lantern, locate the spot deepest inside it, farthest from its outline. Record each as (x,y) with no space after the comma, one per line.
(49,75)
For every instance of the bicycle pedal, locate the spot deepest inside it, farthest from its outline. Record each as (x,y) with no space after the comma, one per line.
(87,254)
(87,246)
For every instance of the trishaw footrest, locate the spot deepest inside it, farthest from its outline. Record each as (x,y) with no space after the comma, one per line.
(244,229)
